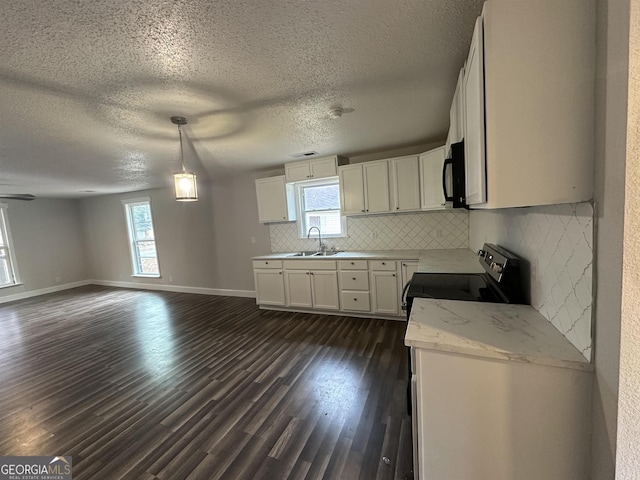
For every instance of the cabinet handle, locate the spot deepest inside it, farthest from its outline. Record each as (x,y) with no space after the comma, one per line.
(393,275)
(307,273)
(383,263)
(353,278)
(266,263)
(397,208)
(352,263)
(355,299)
(311,273)
(363,210)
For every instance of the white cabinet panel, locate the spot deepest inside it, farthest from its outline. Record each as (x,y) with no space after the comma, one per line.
(376,184)
(474,145)
(432,194)
(384,286)
(313,169)
(269,286)
(275,200)
(325,289)
(405,183)
(352,189)
(356,301)
(298,284)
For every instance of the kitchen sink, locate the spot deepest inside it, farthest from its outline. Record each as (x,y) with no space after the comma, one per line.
(312,254)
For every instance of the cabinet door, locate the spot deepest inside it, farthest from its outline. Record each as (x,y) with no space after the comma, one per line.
(325,289)
(376,186)
(351,189)
(269,287)
(385,292)
(409,267)
(297,171)
(431,163)
(323,167)
(298,284)
(474,145)
(405,182)
(271,194)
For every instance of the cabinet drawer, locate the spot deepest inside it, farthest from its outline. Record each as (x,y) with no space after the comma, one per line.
(353,265)
(356,301)
(383,265)
(267,264)
(354,280)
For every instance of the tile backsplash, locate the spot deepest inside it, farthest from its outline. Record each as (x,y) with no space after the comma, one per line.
(557,242)
(409,231)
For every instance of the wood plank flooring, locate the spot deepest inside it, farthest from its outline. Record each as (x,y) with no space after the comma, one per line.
(159,385)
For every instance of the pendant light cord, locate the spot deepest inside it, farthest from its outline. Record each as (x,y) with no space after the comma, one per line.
(181,151)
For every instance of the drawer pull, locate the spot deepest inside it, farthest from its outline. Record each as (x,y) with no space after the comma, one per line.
(355,299)
(352,263)
(266,263)
(353,278)
(383,263)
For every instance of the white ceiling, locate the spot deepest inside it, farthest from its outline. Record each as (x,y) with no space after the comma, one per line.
(87,86)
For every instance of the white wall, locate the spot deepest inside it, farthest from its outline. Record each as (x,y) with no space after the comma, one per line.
(48,244)
(611,125)
(628,438)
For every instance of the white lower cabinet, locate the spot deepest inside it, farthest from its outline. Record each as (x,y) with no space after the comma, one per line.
(384,287)
(315,287)
(354,285)
(480,418)
(269,280)
(360,286)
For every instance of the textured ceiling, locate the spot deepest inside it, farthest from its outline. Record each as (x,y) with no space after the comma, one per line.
(87,86)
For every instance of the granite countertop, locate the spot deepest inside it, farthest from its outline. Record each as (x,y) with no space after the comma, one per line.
(461,260)
(491,330)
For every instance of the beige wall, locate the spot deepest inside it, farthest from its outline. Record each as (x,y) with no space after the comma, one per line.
(183,235)
(628,454)
(611,101)
(48,244)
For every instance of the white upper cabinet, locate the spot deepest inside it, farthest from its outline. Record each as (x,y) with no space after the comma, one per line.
(275,200)
(351,189)
(376,186)
(364,188)
(313,169)
(456,115)
(432,193)
(405,183)
(529,117)
(474,159)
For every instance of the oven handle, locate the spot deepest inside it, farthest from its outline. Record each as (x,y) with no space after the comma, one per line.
(403,298)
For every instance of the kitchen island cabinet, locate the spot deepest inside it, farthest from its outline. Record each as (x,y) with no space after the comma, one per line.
(498,394)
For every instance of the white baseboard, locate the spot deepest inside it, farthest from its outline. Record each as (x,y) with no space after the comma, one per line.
(43,291)
(177,288)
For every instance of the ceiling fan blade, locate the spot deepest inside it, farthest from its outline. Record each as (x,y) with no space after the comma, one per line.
(17,196)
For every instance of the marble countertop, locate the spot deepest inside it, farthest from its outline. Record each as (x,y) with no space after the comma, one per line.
(461,260)
(491,330)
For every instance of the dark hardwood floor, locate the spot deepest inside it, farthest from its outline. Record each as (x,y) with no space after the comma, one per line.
(157,385)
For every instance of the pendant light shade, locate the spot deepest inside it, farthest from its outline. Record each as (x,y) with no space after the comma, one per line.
(185,184)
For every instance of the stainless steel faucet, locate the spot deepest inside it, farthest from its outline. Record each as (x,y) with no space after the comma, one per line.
(320,244)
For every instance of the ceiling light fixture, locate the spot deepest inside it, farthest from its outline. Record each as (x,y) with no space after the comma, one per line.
(336,112)
(185,182)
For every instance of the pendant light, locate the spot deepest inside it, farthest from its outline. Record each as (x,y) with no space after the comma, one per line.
(185,182)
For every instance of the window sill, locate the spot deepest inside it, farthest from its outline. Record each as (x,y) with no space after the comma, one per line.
(11,285)
(141,275)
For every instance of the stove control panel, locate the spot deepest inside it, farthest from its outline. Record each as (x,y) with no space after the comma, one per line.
(497,261)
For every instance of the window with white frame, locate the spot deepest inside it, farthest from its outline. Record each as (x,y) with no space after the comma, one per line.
(142,239)
(8,273)
(319,206)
